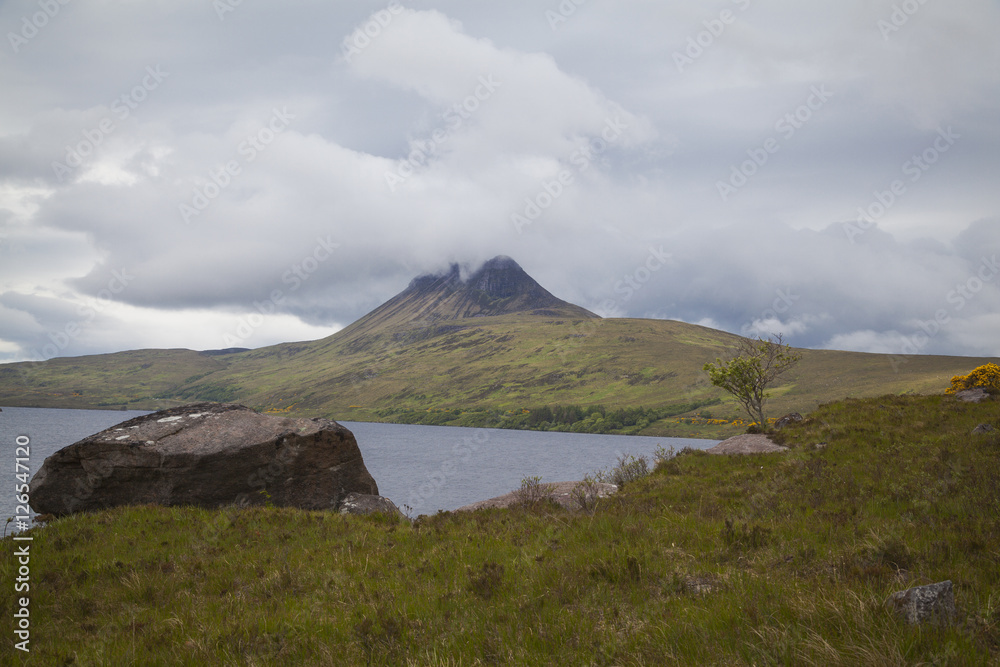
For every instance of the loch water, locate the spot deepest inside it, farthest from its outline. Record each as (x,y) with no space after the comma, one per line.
(425,468)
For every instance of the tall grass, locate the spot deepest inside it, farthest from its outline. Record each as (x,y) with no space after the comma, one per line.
(761,559)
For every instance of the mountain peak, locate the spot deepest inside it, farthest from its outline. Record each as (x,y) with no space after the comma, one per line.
(501,262)
(502,277)
(499,287)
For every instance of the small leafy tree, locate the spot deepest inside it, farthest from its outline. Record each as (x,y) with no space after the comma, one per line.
(758,363)
(986,376)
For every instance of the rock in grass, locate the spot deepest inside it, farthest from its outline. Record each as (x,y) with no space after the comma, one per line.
(206,454)
(983,429)
(791,418)
(975,395)
(746,444)
(366,503)
(925,604)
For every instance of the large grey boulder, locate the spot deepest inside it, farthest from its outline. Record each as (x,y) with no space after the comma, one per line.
(206,454)
(925,604)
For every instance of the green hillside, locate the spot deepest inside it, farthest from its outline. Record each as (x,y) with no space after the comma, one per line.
(511,362)
(473,351)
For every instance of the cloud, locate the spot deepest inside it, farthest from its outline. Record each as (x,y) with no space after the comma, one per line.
(333,177)
(820,290)
(520,104)
(877,342)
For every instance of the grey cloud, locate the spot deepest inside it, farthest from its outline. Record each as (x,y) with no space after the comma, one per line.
(324,176)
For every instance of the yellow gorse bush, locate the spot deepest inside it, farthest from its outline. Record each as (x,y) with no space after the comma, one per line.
(986,376)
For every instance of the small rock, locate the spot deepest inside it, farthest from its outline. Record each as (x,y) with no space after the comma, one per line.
(934,603)
(791,418)
(977,395)
(983,429)
(367,503)
(700,585)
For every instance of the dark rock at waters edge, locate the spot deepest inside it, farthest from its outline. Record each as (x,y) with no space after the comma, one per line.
(205,454)
(976,395)
(925,604)
(366,503)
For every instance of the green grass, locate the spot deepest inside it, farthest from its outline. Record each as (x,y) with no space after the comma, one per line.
(755,560)
(138,379)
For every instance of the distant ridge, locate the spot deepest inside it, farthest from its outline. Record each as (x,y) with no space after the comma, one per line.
(498,287)
(461,343)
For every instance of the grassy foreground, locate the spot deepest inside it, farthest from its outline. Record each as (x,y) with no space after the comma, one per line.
(764,559)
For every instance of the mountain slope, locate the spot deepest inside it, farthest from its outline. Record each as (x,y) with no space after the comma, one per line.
(492,340)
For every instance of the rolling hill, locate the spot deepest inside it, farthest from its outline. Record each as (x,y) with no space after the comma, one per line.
(493,341)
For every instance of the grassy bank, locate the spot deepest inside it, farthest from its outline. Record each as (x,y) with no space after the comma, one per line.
(765,559)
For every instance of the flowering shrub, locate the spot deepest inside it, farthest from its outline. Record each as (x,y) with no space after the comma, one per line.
(986,376)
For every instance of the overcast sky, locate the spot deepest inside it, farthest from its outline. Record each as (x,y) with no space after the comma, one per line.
(211,174)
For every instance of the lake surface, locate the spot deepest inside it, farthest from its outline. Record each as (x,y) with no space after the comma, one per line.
(427,468)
